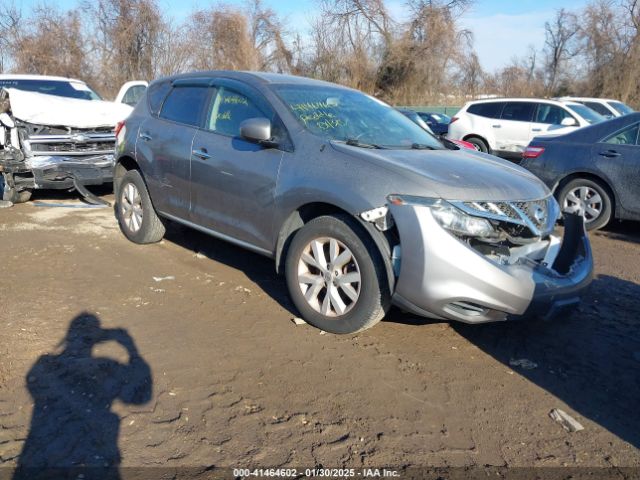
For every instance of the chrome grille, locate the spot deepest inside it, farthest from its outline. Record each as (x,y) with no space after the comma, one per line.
(538,215)
(71,144)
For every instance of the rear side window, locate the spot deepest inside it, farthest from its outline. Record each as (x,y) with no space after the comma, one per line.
(489,109)
(185,105)
(598,107)
(551,114)
(518,111)
(628,136)
(156,95)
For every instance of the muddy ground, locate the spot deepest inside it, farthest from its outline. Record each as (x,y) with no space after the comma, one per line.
(202,366)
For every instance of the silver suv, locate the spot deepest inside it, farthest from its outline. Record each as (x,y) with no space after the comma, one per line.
(359,207)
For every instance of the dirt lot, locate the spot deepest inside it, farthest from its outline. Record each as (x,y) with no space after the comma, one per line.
(202,366)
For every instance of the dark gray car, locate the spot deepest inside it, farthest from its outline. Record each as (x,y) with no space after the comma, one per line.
(358,206)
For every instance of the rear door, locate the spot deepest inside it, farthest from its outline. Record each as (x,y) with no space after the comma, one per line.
(164,146)
(514,126)
(233,180)
(618,157)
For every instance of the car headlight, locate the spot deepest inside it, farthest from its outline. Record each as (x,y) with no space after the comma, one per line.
(448,217)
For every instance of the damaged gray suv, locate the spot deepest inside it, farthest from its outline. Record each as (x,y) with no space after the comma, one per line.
(359,207)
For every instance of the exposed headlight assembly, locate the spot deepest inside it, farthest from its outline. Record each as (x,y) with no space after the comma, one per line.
(448,216)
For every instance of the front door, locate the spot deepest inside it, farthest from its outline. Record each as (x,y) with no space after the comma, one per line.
(233,180)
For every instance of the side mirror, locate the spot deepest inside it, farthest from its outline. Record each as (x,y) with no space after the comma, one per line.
(257,130)
(569,122)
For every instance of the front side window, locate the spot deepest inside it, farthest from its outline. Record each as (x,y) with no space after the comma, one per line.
(185,105)
(551,114)
(353,117)
(518,111)
(628,136)
(229,110)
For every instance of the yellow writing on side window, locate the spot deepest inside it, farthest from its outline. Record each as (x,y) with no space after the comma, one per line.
(224,116)
(307,106)
(235,99)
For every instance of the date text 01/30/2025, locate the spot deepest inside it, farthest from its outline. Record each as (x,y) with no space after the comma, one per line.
(316,472)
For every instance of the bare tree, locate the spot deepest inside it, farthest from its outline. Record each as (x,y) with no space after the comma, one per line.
(560,46)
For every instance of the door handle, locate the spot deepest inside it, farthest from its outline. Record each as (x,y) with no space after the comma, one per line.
(609,154)
(496,126)
(536,129)
(145,136)
(201,153)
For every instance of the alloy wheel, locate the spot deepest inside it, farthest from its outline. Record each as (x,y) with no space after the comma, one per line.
(329,277)
(585,201)
(131,207)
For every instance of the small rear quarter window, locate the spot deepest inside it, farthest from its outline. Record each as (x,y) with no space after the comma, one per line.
(156,94)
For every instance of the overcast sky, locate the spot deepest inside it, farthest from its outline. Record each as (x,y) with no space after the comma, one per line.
(502,29)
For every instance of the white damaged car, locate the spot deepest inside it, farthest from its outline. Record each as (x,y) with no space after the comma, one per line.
(55,133)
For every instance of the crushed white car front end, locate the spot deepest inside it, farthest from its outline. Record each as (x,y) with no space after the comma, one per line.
(50,142)
(488,261)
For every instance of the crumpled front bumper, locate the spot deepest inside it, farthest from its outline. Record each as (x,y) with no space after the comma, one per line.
(58,172)
(442,277)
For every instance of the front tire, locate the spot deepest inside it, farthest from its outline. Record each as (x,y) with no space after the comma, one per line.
(336,276)
(12,195)
(587,198)
(136,216)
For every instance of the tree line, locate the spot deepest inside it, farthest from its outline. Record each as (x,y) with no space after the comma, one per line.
(424,57)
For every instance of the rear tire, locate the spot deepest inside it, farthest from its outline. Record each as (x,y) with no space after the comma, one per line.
(136,216)
(588,198)
(480,144)
(336,276)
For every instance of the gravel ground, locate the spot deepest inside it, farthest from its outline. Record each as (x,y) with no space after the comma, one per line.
(183,353)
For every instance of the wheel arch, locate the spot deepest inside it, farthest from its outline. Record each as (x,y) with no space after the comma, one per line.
(593,177)
(481,137)
(123,165)
(307,212)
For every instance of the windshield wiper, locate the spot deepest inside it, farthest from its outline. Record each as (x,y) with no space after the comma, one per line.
(354,142)
(422,146)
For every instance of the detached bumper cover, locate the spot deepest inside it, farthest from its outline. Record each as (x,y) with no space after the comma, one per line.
(442,277)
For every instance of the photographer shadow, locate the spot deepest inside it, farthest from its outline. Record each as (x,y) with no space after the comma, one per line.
(73,430)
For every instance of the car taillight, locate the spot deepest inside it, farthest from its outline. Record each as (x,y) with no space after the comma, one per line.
(453,119)
(119,127)
(532,152)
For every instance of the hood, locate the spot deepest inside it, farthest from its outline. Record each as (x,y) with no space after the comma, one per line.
(51,110)
(463,175)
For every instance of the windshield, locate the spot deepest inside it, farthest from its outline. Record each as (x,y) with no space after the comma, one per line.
(585,112)
(621,108)
(353,117)
(59,88)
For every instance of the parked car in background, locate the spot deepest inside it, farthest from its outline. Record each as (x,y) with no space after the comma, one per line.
(606,107)
(416,118)
(55,133)
(505,126)
(131,92)
(438,122)
(358,206)
(594,171)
